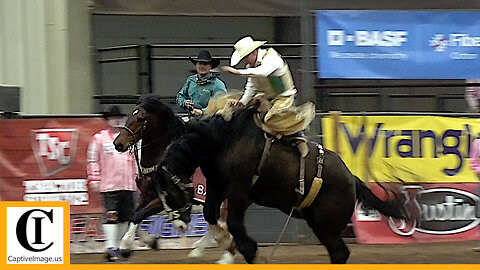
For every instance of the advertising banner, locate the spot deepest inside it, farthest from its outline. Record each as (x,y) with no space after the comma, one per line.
(46,160)
(86,234)
(411,148)
(429,155)
(444,212)
(398,44)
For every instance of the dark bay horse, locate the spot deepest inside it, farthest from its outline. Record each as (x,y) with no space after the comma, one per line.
(229,153)
(156,125)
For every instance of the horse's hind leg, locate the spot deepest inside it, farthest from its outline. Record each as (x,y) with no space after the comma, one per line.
(335,245)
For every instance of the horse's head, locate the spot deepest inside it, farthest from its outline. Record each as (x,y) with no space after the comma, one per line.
(133,130)
(149,118)
(176,195)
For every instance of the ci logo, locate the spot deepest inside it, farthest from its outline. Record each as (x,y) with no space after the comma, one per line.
(38,220)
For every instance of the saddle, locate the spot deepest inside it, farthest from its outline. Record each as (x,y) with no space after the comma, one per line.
(262,105)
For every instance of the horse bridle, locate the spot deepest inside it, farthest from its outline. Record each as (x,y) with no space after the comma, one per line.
(173,214)
(142,171)
(135,147)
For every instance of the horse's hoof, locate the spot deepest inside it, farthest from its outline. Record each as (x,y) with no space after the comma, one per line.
(195,253)
(227,258)
(125,253)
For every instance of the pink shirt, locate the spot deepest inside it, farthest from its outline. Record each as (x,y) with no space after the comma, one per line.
(114,170)
(474,158)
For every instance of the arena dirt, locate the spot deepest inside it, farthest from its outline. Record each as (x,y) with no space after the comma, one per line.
(431,253)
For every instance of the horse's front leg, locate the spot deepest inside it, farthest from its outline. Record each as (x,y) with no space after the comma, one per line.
(211,210)
(140,214)
(238,203)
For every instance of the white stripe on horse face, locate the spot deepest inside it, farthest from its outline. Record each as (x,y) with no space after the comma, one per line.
(135,112)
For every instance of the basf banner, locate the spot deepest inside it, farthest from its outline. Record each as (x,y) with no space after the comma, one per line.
(398,44)
(425,158)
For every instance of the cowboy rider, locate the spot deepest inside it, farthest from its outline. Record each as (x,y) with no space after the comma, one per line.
(197,90)
(268,74)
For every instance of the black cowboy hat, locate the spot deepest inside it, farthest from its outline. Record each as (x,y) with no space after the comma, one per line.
(112,112)
(205,57)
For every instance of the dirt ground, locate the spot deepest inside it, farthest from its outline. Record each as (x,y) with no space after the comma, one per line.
(431,253)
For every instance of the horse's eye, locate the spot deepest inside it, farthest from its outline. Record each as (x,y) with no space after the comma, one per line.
(140,119)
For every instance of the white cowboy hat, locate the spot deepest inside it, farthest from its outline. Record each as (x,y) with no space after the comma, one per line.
(244,47)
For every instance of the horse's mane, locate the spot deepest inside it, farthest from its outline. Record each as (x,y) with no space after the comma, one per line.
(152,103)
(201,140)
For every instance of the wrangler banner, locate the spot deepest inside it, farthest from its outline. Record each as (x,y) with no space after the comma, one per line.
(424,157)
(410,148)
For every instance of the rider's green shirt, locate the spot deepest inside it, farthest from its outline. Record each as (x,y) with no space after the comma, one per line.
(200,90)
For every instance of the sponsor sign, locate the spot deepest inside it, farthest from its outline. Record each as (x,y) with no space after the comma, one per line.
(430,155)
(443,212)
(411,148)
(72,190)
(54,149)
(28,233)
(87,236)
(46,160)
(199,185)
(398,44)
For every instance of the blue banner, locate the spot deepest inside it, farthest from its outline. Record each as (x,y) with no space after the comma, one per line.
(398,44)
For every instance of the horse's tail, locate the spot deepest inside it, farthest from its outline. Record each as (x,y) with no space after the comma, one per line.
(389,208)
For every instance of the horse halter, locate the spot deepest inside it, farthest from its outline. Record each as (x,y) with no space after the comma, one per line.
(174,214)
(135,147)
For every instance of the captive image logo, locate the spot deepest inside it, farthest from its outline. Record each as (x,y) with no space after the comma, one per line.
(35,235)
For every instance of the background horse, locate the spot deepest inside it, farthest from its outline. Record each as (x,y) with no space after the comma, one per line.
(229,153)
(156,125)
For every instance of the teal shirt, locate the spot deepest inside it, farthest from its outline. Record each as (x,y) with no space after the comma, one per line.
(200,91)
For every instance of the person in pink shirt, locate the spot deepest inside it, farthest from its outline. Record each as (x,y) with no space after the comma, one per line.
(112,174)
(475,165)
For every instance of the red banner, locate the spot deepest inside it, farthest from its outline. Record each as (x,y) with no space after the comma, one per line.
(199,185)
(446,212)
(46,159)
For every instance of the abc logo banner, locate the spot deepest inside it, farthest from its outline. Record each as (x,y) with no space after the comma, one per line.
(37,232)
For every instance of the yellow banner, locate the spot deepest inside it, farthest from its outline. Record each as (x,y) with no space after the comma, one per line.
(409,148)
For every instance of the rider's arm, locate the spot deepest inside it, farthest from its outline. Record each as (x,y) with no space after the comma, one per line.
(183,95)
(250,91)
(269,64)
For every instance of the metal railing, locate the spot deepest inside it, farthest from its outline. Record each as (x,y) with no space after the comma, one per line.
(145,55)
